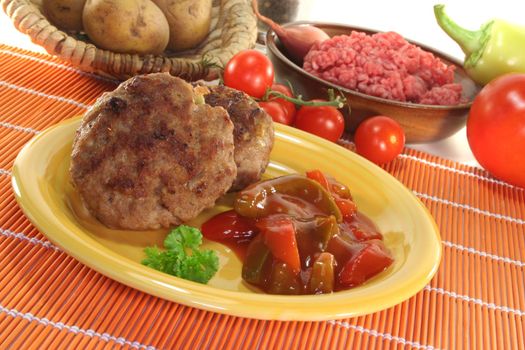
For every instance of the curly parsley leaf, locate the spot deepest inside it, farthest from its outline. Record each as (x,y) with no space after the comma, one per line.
(182,257)
(183,237)
(200,266)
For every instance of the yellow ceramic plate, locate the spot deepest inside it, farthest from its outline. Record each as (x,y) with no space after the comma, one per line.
(41,184)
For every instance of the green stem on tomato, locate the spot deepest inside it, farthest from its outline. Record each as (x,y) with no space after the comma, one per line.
(290,87)
(334,101)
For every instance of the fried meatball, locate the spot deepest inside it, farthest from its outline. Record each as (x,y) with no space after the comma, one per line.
(253,133)
(146,156)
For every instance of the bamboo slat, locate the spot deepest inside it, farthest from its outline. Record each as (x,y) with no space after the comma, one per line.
(49,300)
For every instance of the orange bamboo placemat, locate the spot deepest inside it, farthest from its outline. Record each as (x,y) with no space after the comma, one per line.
(49,300)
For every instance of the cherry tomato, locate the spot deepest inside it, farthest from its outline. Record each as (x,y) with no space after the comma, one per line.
(325,121)
(276,111)
(249,71)
(288,106)
(379,139)
(496,128)
(229,226)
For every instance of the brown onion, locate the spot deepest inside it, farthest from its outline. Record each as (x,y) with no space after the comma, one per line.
(297,39)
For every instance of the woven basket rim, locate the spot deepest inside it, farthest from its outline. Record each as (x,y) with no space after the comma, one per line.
(234,28)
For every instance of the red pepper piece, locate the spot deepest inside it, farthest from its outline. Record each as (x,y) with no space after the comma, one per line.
(279,236)
(340,193)
(347,207)
(372,259)
(319,177)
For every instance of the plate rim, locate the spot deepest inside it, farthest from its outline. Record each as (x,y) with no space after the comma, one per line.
(223,301)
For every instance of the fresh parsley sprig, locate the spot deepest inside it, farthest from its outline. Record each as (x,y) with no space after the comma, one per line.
(182,257)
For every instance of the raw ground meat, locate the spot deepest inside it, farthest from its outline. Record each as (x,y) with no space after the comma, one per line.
(384,65)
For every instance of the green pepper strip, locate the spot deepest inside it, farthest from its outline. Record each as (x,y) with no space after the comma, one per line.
(251,202)
(256,257)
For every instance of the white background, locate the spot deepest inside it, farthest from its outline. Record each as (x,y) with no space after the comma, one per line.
(412,19)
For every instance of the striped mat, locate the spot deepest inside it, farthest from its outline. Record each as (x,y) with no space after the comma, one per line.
(49,300)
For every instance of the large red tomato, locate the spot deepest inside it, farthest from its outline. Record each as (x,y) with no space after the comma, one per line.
(250,71)
(496,128)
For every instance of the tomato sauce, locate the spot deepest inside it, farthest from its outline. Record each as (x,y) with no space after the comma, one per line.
(232,230)
(290,245)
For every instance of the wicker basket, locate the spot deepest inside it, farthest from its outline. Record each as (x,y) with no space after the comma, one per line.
(233,28)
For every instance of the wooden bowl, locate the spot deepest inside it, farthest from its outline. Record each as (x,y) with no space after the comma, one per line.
(421,123)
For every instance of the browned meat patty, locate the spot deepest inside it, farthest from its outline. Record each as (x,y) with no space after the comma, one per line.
(253,133)
(146,156)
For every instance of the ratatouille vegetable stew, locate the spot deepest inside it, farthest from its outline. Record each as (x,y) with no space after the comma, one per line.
(300,235)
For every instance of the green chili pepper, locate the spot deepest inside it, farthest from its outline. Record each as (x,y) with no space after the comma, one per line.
(283,280)
(257,257)
(493,50)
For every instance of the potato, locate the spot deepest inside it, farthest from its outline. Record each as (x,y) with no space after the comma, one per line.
(64,14)
(126,26)
(189,21)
